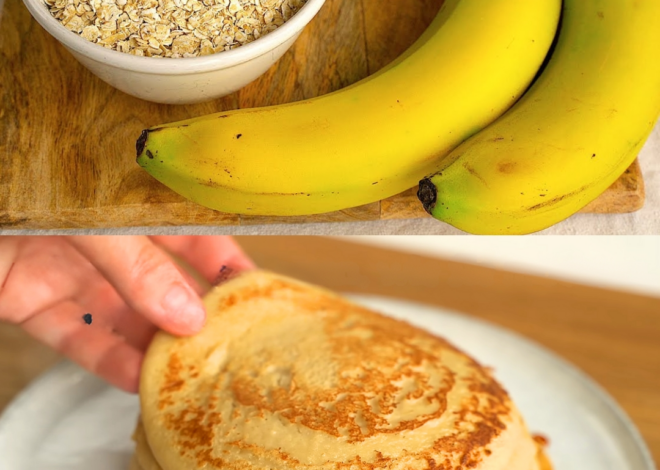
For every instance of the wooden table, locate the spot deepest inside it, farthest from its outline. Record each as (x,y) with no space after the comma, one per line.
(613,336)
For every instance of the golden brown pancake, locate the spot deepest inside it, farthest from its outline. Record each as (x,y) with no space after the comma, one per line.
(143,459)
(290,376)
(134,465)
(143,453)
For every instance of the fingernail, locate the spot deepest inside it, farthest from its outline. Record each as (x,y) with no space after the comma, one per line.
(183,307)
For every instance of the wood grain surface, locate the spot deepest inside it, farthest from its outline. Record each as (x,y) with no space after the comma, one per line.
(67,140)
(612,336)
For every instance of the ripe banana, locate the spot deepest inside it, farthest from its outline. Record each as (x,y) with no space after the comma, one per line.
(572,134)
(368,141)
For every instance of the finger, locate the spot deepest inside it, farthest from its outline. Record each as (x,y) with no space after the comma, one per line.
(94,347)
(134,328)
(8,253)
(43,272)
(109,310)
(207,254)
(147,280)
(70,276)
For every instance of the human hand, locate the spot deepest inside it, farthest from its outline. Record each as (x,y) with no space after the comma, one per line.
(128,284)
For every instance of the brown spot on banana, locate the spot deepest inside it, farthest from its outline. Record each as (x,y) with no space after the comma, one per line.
(507,167)
(156,129)
(209,182)
(548,203)
(474,173)
(556,200)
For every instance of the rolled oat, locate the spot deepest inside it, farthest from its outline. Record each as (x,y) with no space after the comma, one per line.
(172,28)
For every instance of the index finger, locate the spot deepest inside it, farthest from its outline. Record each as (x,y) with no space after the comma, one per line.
(147,279)
(207,254)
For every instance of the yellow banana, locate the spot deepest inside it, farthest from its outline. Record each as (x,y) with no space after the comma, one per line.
(371,140)
(571,135)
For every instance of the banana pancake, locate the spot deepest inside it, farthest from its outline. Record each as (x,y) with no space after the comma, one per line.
(143,459)
(286,375)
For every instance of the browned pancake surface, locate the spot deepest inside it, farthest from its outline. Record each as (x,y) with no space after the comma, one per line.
(286,375)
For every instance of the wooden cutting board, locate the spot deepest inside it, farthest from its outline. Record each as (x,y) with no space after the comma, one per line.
(67,140)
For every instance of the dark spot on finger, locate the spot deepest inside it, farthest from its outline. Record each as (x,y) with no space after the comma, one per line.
(224,275)
(87,318)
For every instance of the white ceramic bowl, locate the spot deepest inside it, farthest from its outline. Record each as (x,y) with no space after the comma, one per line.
(184,80)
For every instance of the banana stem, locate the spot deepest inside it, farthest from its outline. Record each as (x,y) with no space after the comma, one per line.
(428,194)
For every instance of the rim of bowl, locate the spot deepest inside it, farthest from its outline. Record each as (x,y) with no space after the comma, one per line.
(171,66)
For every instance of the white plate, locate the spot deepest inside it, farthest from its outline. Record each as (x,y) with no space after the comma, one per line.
(68,419)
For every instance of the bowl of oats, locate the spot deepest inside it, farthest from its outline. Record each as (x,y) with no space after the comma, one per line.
(176,51)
